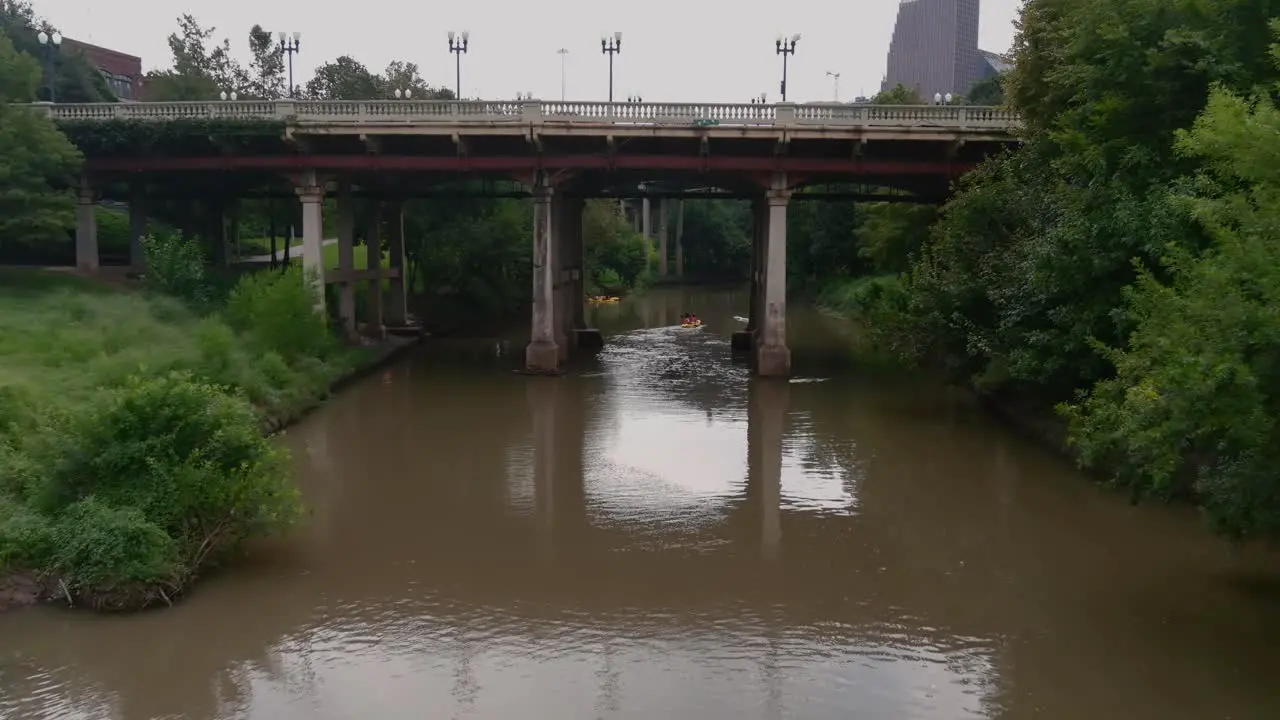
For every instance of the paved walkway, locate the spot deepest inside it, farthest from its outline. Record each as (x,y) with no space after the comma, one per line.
(266,257)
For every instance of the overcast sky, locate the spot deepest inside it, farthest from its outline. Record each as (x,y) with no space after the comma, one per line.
(672,50)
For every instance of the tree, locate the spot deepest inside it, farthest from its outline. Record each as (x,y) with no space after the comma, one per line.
(37,162)
(266,69)
(75,79)
(1195,404)
(344,79)
(897,95)
(989,91)
(199,72)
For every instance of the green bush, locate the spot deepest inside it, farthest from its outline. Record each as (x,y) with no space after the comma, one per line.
(276,311)
(113,557)
(113,232)
(177,267)
(188,456)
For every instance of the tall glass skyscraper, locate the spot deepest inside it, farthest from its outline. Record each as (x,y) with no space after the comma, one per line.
(935,47)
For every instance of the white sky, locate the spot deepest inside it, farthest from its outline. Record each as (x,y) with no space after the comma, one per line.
(673,50)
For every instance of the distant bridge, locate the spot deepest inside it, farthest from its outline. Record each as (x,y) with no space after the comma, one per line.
(385,151)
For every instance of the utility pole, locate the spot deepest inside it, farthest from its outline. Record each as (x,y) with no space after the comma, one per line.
(785,47)
(562,52)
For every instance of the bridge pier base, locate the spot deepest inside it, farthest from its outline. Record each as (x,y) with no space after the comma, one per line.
(662,238)
(543,354)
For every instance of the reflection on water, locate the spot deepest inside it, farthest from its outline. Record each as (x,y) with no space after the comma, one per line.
(658,535)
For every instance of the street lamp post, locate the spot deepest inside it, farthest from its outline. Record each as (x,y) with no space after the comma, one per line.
(836,77)
(785,47)
(458,43)
(611,46)
(562,52)
(50,43)
(290,43)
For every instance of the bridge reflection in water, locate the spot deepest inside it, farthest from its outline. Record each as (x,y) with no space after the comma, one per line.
(659,535)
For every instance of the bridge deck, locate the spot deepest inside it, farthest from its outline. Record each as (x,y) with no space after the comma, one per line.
(400,117)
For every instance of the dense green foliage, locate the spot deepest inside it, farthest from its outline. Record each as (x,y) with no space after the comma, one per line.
(132,453)
(1119,264)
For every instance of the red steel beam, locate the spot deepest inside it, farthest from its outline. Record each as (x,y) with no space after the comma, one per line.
(516,163)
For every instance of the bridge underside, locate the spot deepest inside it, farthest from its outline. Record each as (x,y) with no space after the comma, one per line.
(385,165)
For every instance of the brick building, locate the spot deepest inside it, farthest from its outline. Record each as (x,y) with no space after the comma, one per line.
(123,72)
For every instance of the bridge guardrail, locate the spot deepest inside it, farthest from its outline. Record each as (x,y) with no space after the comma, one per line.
(534,112)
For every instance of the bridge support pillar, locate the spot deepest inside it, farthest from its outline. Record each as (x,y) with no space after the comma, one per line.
(773,357)
(232,252)
(543,355)
(373,261)
(662,237)
(397,300)
(680,238)
(346,257)
(561,258)
(646,229)
(214,230)
(311,193)
(137,228)
(86,229)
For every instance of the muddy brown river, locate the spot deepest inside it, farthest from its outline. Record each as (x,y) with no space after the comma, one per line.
(656,535)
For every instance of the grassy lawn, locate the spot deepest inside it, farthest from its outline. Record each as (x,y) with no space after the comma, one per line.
(62,336)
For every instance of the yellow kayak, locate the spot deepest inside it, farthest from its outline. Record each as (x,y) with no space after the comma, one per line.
(697,324)
(604,299)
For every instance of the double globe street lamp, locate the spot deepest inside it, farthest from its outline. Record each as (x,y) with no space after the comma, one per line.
(290,43)
(611,46)
(458,43)
(785,47)
(50,43)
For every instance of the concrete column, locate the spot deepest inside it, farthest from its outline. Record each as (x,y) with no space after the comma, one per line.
(646,229)
(233,231)
(311,193)
(397,309)
(662,237)
(373,261)
(86,230)
(215,230)
(542,355)
(578,289)
(680,238)
(346,257)
(137,230)
(748,337)
(560,231)
(773,358)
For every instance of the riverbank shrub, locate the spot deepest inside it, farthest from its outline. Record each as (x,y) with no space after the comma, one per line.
(132,454)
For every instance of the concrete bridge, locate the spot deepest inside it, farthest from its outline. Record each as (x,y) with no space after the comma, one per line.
(565,152)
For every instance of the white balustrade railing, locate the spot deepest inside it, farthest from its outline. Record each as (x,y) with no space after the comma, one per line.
(341,112)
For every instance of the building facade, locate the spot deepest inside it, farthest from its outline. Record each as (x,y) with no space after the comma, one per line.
(123,72)
(934,49)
